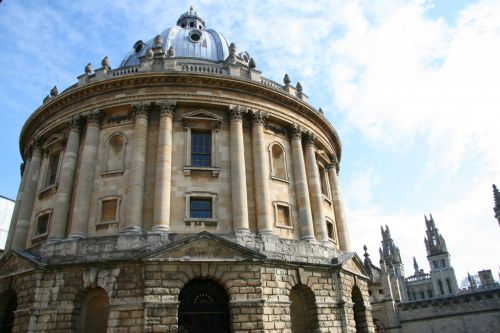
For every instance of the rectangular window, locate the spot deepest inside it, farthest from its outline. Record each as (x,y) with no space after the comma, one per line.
(200,208)
(324,183)
(109,209)
(283,215)
(201,149)
(42,225)
(52,168)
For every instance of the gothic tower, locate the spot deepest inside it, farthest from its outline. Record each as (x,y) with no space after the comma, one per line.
(496,209)
(389,254)
(444,281)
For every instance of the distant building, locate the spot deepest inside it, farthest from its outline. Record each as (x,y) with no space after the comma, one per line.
(6,210)
(429,302)
(496,209)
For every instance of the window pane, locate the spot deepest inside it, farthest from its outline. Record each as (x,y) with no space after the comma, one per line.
(109,208)
(201,208)
(201,148)
(52,169)
(283,215)
(42,224)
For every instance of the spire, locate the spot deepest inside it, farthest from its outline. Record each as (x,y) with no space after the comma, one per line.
(367,262)
(415,266)
(390,252)
(472,281)
(434,242)
(496,197)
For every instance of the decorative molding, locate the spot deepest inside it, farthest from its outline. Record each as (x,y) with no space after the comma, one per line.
(295,132)
(166,108)
(236,112)
(141,110)
(93,117)
(258,117)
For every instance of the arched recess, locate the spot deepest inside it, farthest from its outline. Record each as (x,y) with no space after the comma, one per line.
(359,309)
(91,311)
(203,308)
(303,310)
(114,160)
(278,161)
(8,306)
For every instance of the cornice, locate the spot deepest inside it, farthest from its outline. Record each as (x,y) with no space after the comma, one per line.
(85,96)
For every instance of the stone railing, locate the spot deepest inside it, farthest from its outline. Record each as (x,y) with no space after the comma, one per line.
(202,68)
(124,71)
(416,278)
(271,83)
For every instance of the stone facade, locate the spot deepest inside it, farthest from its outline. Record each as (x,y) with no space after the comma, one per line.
(181,192)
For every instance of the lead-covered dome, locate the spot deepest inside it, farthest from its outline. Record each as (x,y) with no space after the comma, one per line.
(188,38)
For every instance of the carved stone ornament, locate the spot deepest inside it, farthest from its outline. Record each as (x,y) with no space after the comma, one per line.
(310,138)
(295,131)
(158,41)
(74,122)
(236,112)
(149,53)
(105,63)
(141,110)
(286,79)
(232,49)
(259,117)
(299,87)
(54,92)
(93,117)
(166,108)
(88,69)
(171,52)
(252,63)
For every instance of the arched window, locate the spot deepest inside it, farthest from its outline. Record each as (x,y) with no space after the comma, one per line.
(359,311)
(440,285)
(115,153)
(278,162)
(92,313)
(8,306)
(303,312)
(204,308)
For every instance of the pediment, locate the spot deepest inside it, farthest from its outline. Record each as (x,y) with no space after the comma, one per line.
(16,262)
(351,262)
(323,156)
(53,139)
(201,114)
(205,247)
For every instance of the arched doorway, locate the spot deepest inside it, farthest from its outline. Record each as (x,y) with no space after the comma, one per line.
(359,311)
(203,308)
(92,311)
(8,306)
(303,312)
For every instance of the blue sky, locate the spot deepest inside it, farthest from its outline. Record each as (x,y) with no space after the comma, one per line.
(411,86)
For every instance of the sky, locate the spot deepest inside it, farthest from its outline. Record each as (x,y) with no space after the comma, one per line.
(412,88)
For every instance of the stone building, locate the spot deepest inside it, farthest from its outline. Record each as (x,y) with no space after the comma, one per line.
(180,192)
(429,302)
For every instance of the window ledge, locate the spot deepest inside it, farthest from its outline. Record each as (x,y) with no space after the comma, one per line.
(284,180)
(107,222)
(112,172)
(282,226)
(327,199)
(191,221)
(188,169)
(48,190)
(39,238)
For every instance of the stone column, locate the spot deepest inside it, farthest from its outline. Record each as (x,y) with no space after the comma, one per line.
(137,174)
(301,189)
(261,175)
(19,199)
(66,180)
(338,207)
(26,206)
(84,183)
(238,172)
(314,184)
(161,217)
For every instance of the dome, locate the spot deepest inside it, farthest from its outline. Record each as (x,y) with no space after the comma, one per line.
(189,39)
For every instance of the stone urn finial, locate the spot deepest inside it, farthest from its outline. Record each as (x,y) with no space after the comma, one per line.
(286,79)
(105,63)
(149,53)
(54,92)
(232,49)
(252,64)
(88,69)
(171,52)
(299,87)
(158,41)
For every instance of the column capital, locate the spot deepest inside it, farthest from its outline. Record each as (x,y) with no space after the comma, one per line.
(295,131)
(141,110)
(166,108)
(74,123)
(258,117)
(93,117)
(236,112)
(310,138)
(334,164)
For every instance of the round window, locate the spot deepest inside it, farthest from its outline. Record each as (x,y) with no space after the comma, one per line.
(195,35)
(138,46)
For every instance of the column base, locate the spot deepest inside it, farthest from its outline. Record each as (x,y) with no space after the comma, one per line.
(242,231)
(77,235)
(131,230)
(163,229)
(265,233)
(308,238)
(54,239)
